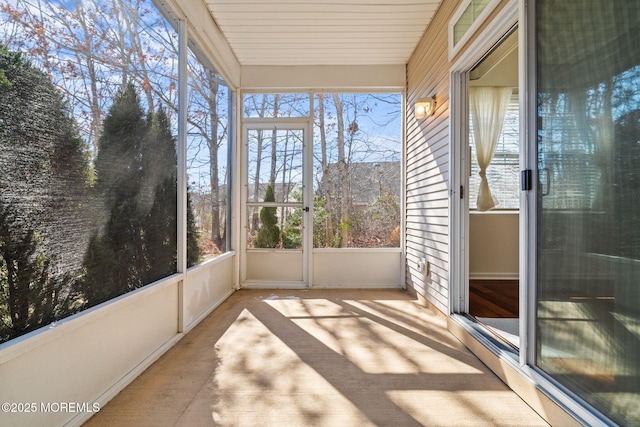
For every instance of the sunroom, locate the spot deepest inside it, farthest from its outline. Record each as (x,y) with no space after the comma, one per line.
(160,157)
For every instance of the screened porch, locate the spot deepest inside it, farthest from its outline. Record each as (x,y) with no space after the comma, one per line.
(223,212)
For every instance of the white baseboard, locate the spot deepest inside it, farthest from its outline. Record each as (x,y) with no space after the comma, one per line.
(121,384)
(263,284)
(358,286)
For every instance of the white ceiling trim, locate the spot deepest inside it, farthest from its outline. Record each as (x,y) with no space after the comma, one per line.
(324,77)
(209,38)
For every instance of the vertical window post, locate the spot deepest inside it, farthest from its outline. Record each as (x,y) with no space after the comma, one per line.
(182,150)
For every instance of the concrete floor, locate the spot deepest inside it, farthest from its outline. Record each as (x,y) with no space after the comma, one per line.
(318,358)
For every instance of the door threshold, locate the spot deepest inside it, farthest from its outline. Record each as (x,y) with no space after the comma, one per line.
(550,402)
(504,328)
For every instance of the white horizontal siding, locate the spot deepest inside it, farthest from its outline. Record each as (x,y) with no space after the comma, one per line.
(427,172)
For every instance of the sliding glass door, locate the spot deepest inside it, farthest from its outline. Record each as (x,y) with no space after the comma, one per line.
(588,201)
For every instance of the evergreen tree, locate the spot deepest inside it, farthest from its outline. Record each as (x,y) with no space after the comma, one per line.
(116,261)
(193,236)
(269,232)
(42,199)
(136,172)
(31,295)
(159,197)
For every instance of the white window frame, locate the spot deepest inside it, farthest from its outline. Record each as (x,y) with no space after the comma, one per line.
(454,48)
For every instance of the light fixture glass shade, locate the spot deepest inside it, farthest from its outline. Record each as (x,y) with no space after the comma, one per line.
(424,107)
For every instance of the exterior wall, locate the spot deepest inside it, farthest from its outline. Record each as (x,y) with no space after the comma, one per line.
(432,205)
(427,168)
(428,163)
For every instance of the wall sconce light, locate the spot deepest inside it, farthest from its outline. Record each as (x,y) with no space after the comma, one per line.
(424,107)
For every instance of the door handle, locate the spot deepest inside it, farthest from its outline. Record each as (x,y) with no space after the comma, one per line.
(306,209)
(547,182)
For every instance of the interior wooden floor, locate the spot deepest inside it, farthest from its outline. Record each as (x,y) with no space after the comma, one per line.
(493,298)
(318,358)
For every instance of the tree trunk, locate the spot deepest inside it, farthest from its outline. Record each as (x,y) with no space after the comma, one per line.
(121,42)
(274,147)
(255,220)
(343,173)
(212,139)
(96,113)
(326,179)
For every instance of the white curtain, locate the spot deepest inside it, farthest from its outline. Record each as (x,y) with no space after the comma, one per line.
(488,107)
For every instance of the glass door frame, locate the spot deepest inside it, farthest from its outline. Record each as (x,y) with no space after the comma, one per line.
(296,124)
(524,363)
(567,399)
(460,158)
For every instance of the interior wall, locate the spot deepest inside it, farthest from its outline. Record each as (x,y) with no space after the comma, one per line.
(205,288)
(88,358)
(357,268)
(428,162)
(494,245)
(494,235)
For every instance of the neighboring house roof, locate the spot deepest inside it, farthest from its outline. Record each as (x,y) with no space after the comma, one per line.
(367,180)
(283,192)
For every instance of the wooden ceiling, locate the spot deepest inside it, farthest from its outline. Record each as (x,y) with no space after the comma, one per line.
(322,32)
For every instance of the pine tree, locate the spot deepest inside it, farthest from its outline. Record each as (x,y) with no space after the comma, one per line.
(43,182)
(269,232)
(193,236)
(116,261)
(136,173)
(159,197)
(31,294)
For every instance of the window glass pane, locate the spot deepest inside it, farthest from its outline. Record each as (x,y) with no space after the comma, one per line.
(357,154)
(503,173)
(271,105)
(87,154)
(588,229)
(207,161)
(275,158)
(468,17)
(274,227)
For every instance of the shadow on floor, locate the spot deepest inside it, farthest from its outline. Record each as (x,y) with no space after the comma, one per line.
(318,358)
